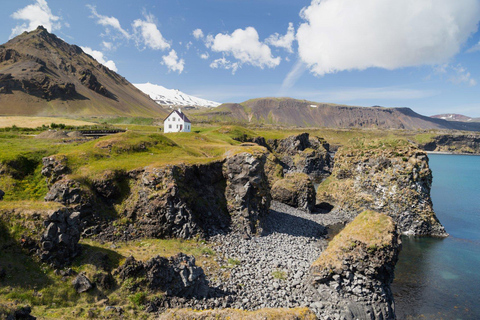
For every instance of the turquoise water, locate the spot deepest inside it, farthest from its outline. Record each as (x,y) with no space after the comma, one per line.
(440,278)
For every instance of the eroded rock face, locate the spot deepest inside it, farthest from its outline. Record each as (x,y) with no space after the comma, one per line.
(67,192)
(302,153)
(358,287)
(59,243)
(176,276)
(392,180)
(247,192)
(81,283)
(54,168)
(296,190)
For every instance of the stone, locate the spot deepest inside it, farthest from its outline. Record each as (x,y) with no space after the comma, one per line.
(2,194)
(296,190)
(81,283)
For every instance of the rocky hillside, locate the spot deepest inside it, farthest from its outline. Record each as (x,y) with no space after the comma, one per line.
(455,117)
(302,113)
(40,74)
(453,143)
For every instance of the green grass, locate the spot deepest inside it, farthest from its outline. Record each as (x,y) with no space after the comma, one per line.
(279,274)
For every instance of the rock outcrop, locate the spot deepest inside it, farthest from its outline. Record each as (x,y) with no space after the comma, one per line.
(296,190)
(81,283)
(59,243)
(176,276)
(2,194)
(247,192)
(67,192)
(454,143)
(54,168)
(302,153)
(393,179)
(352,276)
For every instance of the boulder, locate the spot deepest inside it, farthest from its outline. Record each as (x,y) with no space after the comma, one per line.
(296,190)
(81,283)
(66,192)
(23,313)
(247,192)
(2,194)
(59,243)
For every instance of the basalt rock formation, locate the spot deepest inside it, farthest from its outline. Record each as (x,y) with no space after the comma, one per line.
(352,276)
(59,243)
(176,276)
(296,190)
(454,143)
(395,180)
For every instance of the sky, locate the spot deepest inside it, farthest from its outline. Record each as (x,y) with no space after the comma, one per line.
(421,54)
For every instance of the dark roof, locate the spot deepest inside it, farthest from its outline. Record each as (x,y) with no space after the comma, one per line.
(182,116)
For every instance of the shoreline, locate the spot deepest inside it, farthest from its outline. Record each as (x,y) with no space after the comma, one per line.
(452,153)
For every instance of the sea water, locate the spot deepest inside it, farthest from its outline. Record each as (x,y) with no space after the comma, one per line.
(440,278)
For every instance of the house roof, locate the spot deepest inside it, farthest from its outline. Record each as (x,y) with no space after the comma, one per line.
(182,116)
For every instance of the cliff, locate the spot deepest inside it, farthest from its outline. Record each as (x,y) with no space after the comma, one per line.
(389,177)
(352,276)
(453,143)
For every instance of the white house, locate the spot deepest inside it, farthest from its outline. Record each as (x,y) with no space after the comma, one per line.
(177,121)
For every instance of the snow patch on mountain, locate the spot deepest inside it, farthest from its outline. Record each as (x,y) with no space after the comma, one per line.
(173,97)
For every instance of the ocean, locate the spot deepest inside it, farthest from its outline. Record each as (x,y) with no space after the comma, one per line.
(440,278)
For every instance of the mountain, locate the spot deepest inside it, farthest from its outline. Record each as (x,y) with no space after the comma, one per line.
(302,113)
(455,117)
(173,97)
(40,74)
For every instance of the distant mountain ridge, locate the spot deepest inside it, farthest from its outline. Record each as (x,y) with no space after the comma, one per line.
(42,75)
(173,97)
(455,117)
(303,113)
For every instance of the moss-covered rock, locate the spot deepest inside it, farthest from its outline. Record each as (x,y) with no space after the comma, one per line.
(353,275)
(393,178)
(296,190)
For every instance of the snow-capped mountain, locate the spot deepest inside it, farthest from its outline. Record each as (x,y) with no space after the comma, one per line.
(173,97)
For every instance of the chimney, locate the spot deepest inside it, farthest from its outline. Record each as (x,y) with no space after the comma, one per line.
(180,110)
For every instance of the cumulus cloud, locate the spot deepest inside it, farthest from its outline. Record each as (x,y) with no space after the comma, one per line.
(173,63)
(99,56)
(147,32)
(225,64)
(283,41)
(198,34)
(205,56)
(35,15)
(245,46)
(350,34)
(108,45)
(108,22)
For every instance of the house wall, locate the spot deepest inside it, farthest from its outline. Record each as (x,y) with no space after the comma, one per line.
(173,123)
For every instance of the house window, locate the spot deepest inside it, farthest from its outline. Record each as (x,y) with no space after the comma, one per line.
(169,126)
(173,118)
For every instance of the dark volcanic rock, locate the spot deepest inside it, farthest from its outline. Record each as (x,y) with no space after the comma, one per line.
(104,280)
(2,194)
(455,143)
(59,243)
(177,275)
(54,168)
(66,192)
(23,313)
(81,283)
(296,190)
(302,153)
(247,192)
(352,277)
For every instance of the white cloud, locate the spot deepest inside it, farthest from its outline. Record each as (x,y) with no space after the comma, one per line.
(244,45)
(474,48)
(147,32)
(98,55)
(108,45)
(108,22)
(350,34)
(37,14)
(285,41)
(173,63)
(225,64)
(198,34)
(297,71)
(462,76)
(205,56)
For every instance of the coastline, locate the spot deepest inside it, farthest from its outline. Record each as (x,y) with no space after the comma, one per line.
(453,153)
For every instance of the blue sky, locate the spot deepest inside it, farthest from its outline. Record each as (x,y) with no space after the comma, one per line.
(422,54)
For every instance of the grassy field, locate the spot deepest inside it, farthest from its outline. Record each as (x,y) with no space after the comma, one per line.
(34,122)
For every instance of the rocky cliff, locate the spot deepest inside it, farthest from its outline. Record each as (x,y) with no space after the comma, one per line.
(453,143)
(352,276)
(393,178)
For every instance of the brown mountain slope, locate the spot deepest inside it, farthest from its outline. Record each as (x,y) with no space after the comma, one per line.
(302,113)
(40,74)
